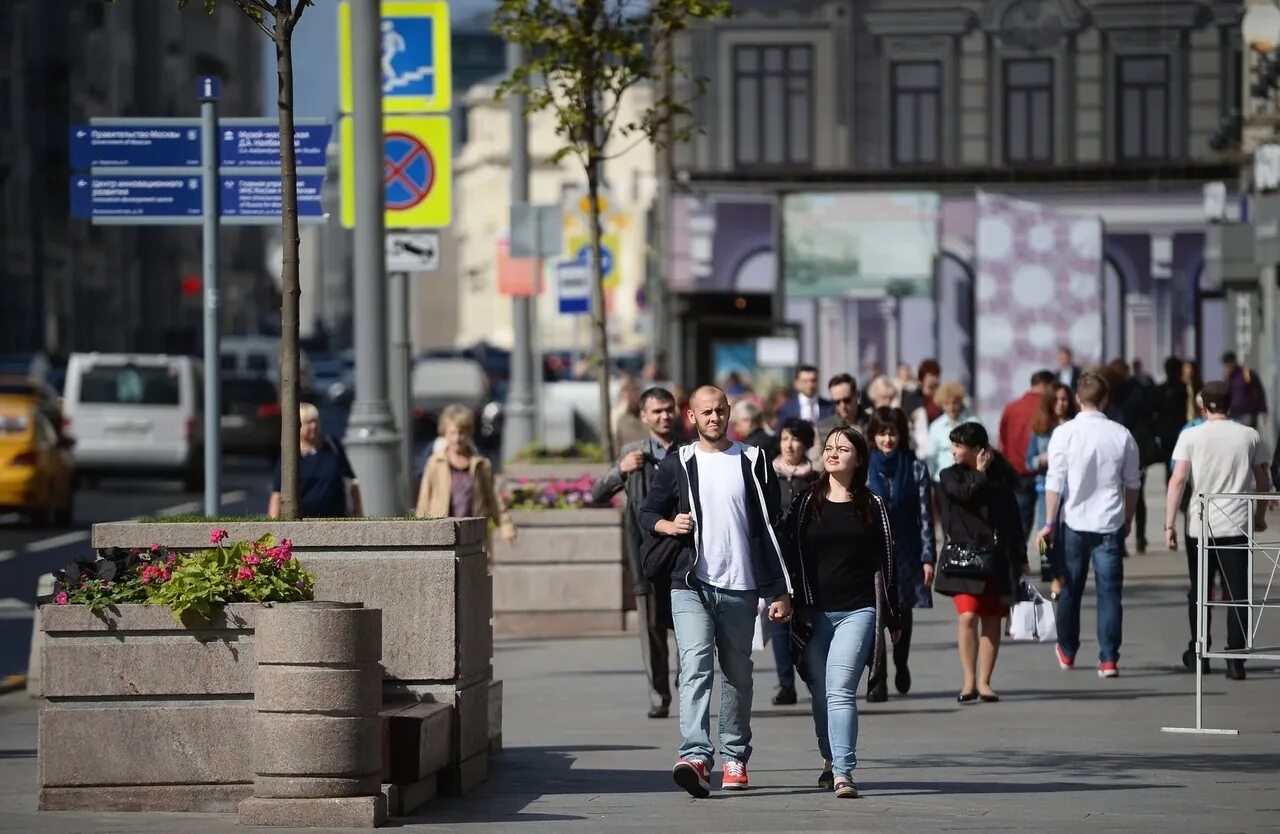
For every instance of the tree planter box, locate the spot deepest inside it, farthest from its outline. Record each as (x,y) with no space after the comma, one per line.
(144,714)
(564,470)
(563,576)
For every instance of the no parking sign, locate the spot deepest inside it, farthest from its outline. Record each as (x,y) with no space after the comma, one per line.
(416,172)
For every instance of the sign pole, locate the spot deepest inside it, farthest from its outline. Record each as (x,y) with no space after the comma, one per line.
(371,432)
(208,92)
(399,365)
(518,426)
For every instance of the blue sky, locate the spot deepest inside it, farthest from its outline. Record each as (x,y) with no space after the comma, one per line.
(315,58)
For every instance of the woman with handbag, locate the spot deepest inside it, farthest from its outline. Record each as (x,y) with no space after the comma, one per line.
(840,547)
(984,554)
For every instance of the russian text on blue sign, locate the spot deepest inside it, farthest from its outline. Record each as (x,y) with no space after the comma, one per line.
(242,143)
(208,87)
(154,144)
(170,196)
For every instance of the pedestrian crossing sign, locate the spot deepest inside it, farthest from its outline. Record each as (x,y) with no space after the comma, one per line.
(416,69)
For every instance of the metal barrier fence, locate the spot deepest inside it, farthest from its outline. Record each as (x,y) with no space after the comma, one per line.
(1237,602)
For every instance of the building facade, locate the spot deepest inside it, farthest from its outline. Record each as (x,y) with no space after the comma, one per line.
(66,284)
(1099,108)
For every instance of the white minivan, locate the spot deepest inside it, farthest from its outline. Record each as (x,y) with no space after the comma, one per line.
(135,414)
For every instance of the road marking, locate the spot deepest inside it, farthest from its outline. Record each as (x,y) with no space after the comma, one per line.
(191,506)
(6,555)
(74,537)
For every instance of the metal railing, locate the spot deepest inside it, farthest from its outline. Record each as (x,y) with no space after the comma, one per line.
(1234,599)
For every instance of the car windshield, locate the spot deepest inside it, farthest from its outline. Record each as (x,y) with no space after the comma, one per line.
(253,391)
(130,385)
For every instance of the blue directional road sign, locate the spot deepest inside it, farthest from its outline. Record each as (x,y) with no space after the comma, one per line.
(606,259)
(573,287)
(142,142)
(135,196)
(255,143)
(261,195)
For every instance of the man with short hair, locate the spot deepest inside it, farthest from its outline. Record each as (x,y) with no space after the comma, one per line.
(1015,436)
(805,404)
(843,389)
(1093,474)
(1248,397)
(1220,456)
(748,425)
(634,474)
(1068,370)
(729,558)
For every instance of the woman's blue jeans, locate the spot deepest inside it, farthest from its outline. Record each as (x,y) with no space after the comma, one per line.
(842,642)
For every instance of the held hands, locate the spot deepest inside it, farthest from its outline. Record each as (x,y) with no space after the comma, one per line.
(681,525)
(780,609)
(631,463)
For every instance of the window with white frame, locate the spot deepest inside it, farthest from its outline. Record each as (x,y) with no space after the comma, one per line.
(773,104)
(915,96)
(1028,110)
(1142,104)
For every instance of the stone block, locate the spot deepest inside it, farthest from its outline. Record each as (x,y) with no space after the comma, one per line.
(205,799)
(559,471)
(356,534)
(474,654)
(318,689)
(557,587)
(418,742)
(560,544)
(102,664)
(593,517)
(144,743)
(306,745)
(341,812)
(557,623)
(314,787)
(321,632)
(403,800)
(471,720)
(132,619)
(35,674)
(460,779)
(495,717)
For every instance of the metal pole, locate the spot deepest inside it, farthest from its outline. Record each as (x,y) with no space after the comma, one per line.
(210,210)
(518,425)
(399,367)
(1202,616)
(371,432)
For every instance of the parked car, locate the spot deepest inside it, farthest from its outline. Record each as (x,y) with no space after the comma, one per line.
(260,356)
(333,377)
(250,419)
(136,414)
(438,382)
(37,473)
(43,394)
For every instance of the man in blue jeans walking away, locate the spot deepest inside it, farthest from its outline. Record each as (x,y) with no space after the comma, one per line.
(728,560)
(1094,476)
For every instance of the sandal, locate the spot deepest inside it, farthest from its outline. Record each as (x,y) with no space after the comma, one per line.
(845,789)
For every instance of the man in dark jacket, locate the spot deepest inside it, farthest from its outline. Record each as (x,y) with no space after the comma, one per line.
(634,474)
(729,558)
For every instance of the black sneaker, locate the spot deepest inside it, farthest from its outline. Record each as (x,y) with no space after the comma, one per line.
(878,693)
(1235,670)
(826,780)
(661,711)
(902,680)
(1189,662)
(786,696)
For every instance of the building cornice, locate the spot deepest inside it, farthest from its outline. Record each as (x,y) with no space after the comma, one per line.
(951,21)
(1172,14)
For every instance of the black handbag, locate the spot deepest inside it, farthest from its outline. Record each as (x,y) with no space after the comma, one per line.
(962,561)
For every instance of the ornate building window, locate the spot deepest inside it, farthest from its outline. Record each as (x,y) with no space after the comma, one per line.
(1142,104)
(915,94)
(773,105)
(1028,110)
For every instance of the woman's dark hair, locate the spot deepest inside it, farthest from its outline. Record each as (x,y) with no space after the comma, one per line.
(975,436)
(888,418)
(801,430)
(1045,418)
(863,498)
(1172,369)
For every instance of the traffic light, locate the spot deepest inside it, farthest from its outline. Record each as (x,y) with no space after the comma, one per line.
(1227,135)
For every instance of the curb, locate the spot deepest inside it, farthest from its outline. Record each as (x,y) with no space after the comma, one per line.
(13,683)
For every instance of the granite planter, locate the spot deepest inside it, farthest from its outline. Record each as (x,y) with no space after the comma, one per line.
(558,470)
(145,714)
(563,576)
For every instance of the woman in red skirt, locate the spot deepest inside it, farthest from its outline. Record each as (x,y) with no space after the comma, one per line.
(985,552)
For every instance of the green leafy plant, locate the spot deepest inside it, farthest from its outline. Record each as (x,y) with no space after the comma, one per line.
(200,581)
(578,453)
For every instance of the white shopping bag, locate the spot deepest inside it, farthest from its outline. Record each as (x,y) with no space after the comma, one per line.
(761,635)
(1033,618)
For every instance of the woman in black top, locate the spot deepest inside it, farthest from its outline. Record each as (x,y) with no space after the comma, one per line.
(979,514)
(840,547)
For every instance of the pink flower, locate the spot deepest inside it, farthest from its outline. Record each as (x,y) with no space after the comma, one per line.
(245,574)
(251,559)
(216,536)
(155,547)
(164,574)
(171,558)
(61,598)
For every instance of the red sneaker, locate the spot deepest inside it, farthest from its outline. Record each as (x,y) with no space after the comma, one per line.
(1064,662)
(693,776)
(734,777)
(1107,669)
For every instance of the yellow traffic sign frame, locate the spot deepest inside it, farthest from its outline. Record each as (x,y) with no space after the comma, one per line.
(436,209)
(438,12)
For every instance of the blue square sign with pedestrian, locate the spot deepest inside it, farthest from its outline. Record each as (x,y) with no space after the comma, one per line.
(408,57)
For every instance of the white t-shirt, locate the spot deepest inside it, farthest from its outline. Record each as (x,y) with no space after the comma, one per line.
(1222,454)
(724,559)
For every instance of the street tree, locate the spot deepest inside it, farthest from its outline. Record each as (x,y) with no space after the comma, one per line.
(277,20)
(582,57)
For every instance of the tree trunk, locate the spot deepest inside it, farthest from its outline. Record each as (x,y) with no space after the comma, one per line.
(289,289)
(599,332)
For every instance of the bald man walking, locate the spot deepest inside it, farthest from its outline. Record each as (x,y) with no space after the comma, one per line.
(730,559)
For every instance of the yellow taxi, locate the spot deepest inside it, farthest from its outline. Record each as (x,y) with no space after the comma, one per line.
(37,472)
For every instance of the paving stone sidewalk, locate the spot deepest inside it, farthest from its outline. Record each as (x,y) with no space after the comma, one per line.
(1064,751)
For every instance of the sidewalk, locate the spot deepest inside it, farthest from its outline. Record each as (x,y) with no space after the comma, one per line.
(1062,752)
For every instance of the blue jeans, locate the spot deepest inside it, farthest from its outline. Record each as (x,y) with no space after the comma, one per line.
(842,642)
(711,621)
(1104,551)
(780,642)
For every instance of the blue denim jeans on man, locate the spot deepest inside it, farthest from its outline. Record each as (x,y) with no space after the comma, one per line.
(842,642)
(711,621)
(1105,552)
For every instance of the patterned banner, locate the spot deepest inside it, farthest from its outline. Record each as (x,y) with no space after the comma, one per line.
(1038,288)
